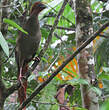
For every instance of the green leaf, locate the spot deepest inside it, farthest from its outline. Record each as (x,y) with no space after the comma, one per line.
(12,23)
(97,90)
(78,108)
(103,76)
(105,105)
(83,81)
(44,59)
(4,44)
(76,81)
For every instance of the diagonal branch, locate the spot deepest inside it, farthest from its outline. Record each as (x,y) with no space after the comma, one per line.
(40,87)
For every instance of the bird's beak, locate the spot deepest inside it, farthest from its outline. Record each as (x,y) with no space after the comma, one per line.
(43,6)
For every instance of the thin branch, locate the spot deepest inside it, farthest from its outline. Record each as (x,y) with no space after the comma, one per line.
(59,27)
(40,87)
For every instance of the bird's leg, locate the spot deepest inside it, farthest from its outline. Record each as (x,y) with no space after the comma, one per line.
(21,77)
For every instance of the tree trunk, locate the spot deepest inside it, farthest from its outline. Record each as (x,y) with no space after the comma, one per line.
(2,27)
(85,59)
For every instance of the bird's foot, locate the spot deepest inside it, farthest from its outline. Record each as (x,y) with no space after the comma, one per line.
(36,59)
(22,79)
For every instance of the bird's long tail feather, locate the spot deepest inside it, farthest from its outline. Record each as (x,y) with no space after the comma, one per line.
(22,89)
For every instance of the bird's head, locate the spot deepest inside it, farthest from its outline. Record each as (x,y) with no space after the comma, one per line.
(37,8)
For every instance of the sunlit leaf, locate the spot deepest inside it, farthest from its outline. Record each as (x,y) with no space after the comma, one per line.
(44,59)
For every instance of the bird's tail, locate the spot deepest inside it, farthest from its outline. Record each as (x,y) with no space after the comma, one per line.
(22,89)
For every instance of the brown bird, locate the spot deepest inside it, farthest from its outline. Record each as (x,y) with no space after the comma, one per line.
(27,45)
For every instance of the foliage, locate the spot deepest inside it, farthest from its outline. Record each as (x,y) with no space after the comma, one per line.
(62,46)
(4,44)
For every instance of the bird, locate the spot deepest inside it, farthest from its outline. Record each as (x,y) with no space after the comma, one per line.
(27,45)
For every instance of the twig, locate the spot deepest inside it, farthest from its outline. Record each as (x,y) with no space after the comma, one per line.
(59,27)
(40,87)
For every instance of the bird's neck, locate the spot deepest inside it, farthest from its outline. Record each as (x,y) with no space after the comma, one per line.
(33,25)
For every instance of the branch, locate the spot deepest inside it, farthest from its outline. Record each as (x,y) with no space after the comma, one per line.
(13,88)
(40,87)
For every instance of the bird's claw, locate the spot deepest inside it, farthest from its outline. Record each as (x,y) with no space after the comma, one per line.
(36,59)
(22,79)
